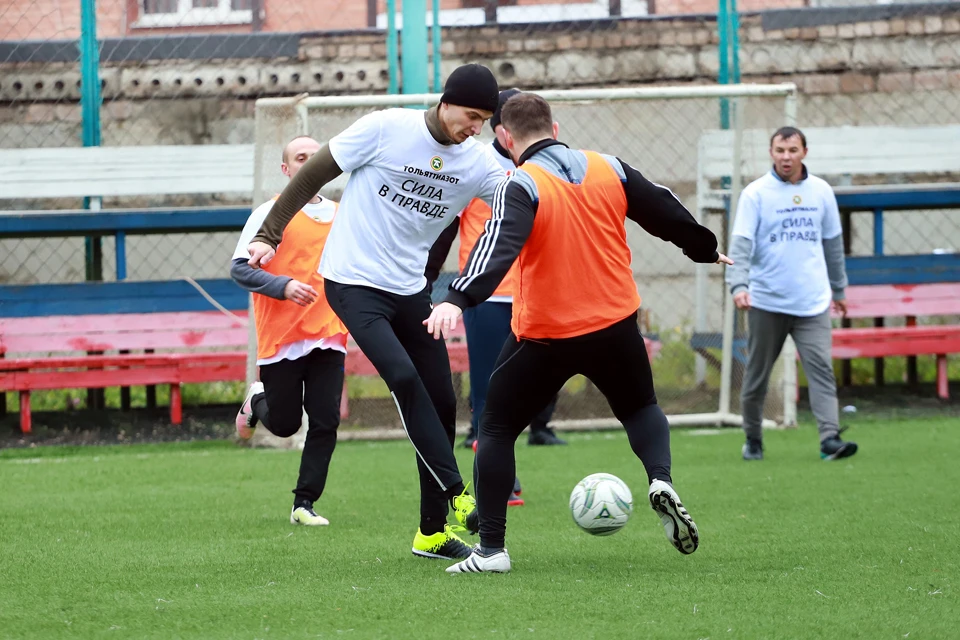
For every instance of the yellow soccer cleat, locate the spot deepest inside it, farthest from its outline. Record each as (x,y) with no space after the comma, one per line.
(445,545)
(465,509)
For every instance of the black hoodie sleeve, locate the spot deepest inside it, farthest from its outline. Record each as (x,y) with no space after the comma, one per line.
(661,214)
(497,249)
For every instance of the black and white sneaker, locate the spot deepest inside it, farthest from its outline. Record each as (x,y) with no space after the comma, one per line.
(498,562)
(752,450)
(677,523)
(834,448)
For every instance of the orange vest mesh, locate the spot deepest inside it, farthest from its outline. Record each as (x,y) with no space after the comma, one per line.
(574,274)
(472,221)
(281,322)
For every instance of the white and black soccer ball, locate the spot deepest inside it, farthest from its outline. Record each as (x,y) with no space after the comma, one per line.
(601,504)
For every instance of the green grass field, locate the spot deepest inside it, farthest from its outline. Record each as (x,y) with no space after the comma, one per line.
(192,540)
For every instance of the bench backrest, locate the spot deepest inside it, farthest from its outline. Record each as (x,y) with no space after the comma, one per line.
(125,171)
(877,301)
(840,151)
(134,331)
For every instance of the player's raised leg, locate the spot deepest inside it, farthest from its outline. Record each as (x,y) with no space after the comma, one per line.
(615,360)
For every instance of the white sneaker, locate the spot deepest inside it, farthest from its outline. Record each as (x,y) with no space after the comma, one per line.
(245,421)
(677,523)
(307,516)
(496,563)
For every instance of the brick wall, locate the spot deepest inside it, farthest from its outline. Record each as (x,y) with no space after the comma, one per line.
(55,19)
(674,7)
(879,72)
(884,55)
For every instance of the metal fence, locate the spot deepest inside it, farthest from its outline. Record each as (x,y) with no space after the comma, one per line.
(174,72)
(656,130)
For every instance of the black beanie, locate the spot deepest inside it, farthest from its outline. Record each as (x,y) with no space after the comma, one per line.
(473,86)
(505,95)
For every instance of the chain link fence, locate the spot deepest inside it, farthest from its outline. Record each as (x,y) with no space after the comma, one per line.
(658,135)
(188,72)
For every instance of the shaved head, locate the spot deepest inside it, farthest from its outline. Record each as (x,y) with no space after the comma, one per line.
(296,153)
(300,143)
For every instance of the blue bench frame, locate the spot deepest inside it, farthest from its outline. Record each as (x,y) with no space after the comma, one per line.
(120,223)
(899,269)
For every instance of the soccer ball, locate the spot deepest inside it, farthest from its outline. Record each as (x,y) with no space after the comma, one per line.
(601,504)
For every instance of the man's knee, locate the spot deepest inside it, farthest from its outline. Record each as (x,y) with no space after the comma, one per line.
(401,377)
(820,370)
(754,391)
(624,409)
(284,424)
(494,432)
(756,381)
(500,426)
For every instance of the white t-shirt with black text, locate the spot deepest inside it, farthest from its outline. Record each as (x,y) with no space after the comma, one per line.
(787,224)
(404,189)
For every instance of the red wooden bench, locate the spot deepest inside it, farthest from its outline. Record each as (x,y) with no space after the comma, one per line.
(52,353)
(909,302)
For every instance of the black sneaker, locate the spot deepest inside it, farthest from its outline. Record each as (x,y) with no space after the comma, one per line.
(834,448)
(517,489)
(470,440)
(753,450)
(544,437)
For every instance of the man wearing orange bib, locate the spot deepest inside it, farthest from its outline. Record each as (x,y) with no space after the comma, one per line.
(488,324)
(301,344)
(561,217)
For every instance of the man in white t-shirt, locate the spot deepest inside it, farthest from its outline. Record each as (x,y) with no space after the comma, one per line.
(301,344)
(411,173)
(787,249)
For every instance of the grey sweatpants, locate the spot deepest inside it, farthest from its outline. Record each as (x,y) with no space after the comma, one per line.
(768,331)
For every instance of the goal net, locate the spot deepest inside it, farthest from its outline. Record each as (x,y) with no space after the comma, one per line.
(702,143)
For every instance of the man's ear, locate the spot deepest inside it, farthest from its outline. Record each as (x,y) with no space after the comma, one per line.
(556,130)
(508,140)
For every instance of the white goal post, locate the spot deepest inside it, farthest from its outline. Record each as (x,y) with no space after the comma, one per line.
(697,345)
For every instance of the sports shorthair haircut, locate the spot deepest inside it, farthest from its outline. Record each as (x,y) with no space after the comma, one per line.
(788,132)
(527,115)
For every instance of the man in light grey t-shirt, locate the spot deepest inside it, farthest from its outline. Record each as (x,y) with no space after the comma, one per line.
(787,249)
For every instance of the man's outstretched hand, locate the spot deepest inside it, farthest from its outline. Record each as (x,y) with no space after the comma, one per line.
(443,320)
